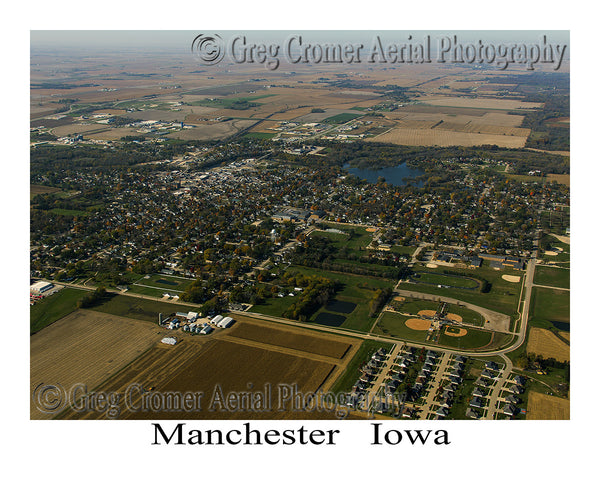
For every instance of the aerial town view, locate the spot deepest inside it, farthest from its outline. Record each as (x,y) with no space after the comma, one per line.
(335,228)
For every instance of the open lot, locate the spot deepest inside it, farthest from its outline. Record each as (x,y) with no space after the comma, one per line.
(546,407)
(545,343)
(86,347)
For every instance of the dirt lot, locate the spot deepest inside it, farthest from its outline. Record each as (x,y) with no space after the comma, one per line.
(545,407)
(545,343)
(86,347)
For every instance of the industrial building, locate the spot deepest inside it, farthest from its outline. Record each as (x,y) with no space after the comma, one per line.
(40,287)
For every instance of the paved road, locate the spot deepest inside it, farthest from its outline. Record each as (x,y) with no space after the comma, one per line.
(435,383)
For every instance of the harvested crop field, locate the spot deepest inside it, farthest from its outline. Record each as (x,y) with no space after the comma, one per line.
(86,347)
(219,367)
(486,103)
(446,138)
(543,342)
(546,407)
(311,343)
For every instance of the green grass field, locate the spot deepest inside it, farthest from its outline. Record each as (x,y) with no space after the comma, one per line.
(393,325)
(351,374)
(472,340)
(341,118)
(53,308)
(503,296)
(403,250)
(166,282)
(355,289)
(356,242)
(260,135)
(137,308)
(70,213)
(227,102)
(443,279)
(552,276)
(549,305)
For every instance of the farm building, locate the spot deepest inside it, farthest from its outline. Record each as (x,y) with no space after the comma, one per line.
(206,330)
(217,319)
(40,287)
(225,323)
(169,340)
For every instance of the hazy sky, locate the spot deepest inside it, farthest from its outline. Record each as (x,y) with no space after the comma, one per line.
(115,40)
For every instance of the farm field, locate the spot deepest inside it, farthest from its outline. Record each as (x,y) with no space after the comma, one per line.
(545,343)
(485,103)
(220,366)
(447,138)
(86,347)
(320,344)
(546,407)
(53,308)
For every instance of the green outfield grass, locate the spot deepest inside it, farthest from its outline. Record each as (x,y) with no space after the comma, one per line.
(472,340)
(444,279)
(394,325)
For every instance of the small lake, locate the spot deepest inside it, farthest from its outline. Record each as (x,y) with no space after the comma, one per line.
(393,175)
